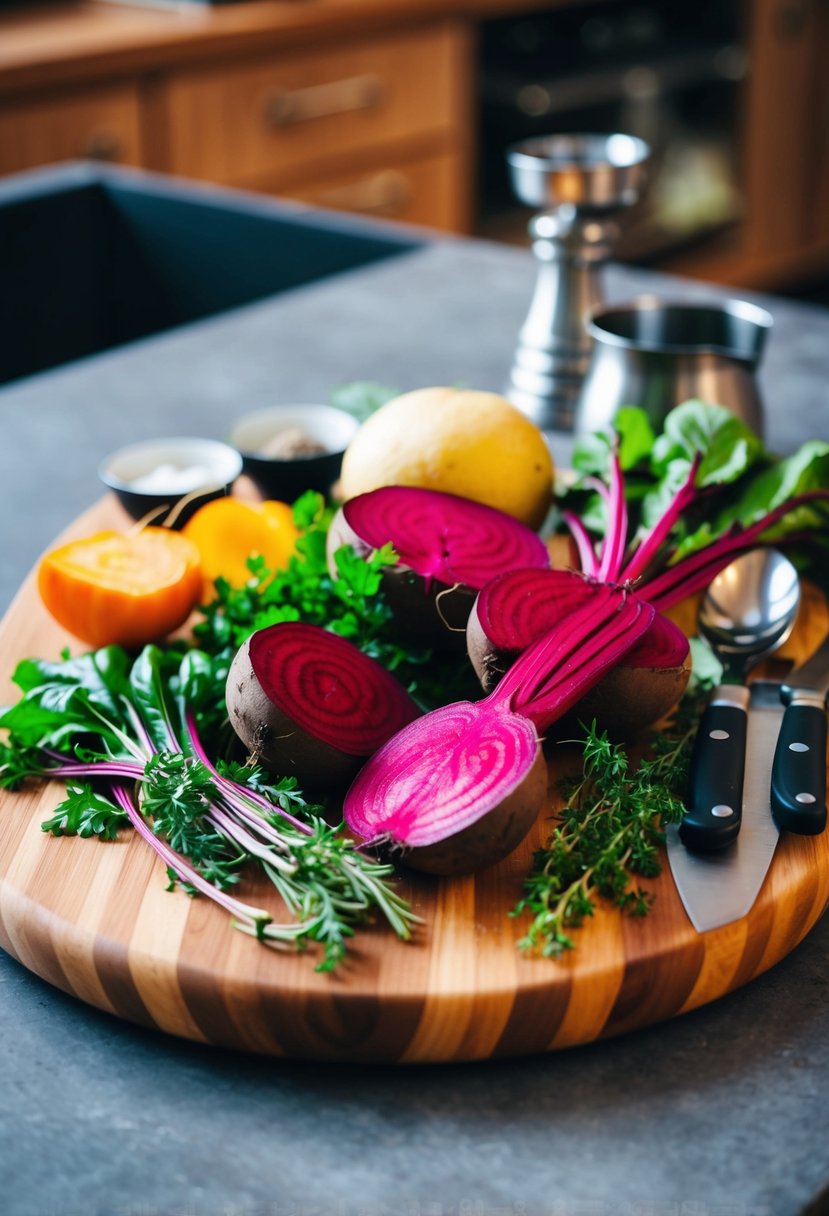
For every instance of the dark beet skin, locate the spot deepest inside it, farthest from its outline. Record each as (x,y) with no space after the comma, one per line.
(274,740)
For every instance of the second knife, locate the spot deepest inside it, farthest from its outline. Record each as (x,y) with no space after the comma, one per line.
(720,887)
(798,777)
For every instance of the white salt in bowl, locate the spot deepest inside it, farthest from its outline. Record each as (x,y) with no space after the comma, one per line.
(171,477)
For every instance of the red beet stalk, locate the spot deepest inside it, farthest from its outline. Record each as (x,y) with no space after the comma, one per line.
(515,609)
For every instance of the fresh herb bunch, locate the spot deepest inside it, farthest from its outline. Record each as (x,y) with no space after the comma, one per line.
(126,735)
(610,830)
(351,604)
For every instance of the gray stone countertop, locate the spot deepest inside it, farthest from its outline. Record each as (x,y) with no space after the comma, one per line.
(719,1113)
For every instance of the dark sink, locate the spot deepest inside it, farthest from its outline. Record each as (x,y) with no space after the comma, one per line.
(93,257)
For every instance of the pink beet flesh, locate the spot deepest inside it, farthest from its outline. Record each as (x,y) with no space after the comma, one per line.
(443,537)
(329,687)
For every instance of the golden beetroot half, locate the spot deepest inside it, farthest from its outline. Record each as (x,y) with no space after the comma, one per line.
(307,703)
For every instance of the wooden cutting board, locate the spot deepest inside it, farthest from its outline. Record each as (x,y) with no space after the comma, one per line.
(95,920)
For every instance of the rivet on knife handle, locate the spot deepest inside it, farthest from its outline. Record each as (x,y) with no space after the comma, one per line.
(798,775)
(715,788)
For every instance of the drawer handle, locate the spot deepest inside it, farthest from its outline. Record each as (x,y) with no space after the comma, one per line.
(384,193)
(101,145)
(322,100)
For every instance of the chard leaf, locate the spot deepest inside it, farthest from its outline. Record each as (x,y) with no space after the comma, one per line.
(149,685)
(591,455)
(807,469)
(657,500)
(101,675)
(69,698)
(636,436)
(729,448)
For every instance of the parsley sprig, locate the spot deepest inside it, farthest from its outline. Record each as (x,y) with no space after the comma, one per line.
(610,830)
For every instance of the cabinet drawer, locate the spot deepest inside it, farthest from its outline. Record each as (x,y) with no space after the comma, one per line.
(431,191)
(280,114)
(99,124)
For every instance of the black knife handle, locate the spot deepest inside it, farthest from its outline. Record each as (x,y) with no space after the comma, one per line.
(715,793)
(798,775)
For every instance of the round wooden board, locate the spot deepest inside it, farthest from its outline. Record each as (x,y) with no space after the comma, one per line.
(95,920)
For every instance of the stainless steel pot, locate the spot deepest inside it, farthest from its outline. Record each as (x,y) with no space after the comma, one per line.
(657,354)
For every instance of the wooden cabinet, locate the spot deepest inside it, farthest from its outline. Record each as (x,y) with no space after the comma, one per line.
(376,123)
(370,106)
(287,117)
(99,124)
(377,127)
(423,190)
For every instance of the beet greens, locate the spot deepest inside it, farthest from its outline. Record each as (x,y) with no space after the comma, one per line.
(134,728)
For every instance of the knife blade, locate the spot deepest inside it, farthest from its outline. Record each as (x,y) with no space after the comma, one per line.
(718,888)
(798,778)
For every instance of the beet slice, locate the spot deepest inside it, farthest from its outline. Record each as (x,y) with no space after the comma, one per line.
(448,548)
(442,536)
(309,703)
(518,607)
(460,787)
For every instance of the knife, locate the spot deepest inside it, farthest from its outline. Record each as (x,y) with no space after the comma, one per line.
(720,887)
(798,778)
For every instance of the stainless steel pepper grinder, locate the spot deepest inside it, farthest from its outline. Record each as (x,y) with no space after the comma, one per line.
(583,182)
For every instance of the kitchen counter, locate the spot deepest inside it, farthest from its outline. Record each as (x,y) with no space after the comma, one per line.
(721,1111)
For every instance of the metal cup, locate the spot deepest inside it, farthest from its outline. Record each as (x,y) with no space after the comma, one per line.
(657,354)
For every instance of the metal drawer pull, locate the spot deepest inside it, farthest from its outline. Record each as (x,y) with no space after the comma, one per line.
(383,193)
(322,100)
(101,145)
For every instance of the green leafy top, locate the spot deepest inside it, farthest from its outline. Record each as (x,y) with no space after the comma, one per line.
(739,480)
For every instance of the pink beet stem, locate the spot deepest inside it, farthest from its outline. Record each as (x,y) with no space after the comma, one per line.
(569,681)
(613,548)
(587,556)
(596,635)
(696,571)
(649,547)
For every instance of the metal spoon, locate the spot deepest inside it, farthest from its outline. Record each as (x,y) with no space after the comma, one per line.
(748,611)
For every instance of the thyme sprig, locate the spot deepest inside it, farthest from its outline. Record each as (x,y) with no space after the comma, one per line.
(610,830)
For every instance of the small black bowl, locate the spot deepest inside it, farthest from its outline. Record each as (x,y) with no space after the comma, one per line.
(286,473)
(170,478)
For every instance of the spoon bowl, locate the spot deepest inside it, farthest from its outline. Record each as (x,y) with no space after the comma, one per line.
(749,610)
